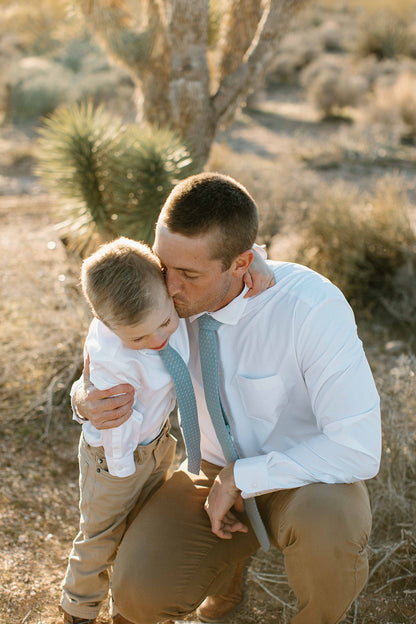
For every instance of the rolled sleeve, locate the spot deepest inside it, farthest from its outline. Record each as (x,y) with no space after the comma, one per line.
(75,414)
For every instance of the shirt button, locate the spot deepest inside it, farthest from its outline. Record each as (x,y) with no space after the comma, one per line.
(253,486)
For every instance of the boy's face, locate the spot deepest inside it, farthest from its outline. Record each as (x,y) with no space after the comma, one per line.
(154,331)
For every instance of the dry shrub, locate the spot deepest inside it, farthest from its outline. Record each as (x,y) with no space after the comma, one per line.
(297,50)
(39,30)
(37,87)
(380,123)
(282,189)
(332,86)
(384,34)
(333,35)
(390,111)
(397,7)
(404,94)
(359,242)
(412,37)
(381,73)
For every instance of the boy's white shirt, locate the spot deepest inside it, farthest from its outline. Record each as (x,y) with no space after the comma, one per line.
(112,363)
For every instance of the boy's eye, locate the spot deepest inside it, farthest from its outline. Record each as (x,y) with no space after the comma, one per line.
(190,277)
(166,323)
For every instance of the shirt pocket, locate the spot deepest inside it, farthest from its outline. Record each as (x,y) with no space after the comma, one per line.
(262,398)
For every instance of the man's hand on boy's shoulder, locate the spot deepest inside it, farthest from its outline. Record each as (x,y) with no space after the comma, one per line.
(105,409)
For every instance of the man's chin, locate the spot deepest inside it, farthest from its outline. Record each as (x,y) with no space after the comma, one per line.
(183,312)
(182,309)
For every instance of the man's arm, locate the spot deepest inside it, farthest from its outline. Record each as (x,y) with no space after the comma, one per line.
(346,408)
(104,408)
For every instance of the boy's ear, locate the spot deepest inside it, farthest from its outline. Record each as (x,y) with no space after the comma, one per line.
(242,262)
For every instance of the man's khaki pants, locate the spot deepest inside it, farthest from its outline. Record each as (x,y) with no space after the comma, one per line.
(107,504)
(169,560)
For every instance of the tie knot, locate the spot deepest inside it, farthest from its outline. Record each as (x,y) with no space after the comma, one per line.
(208,323)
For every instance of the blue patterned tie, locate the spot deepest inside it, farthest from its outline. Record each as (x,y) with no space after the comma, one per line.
(187,405)
(209,366)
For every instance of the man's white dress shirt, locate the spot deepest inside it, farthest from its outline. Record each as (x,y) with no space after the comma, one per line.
(112,363)
(296,384)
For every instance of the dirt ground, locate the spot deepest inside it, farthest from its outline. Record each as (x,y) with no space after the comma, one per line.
(43,324)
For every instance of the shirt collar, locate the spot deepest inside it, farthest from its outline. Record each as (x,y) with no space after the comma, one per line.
(229,314)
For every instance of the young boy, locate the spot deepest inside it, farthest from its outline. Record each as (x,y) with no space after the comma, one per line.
(119,468)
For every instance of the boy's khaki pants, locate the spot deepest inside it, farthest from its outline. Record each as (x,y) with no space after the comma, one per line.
(169,560)
(107,505)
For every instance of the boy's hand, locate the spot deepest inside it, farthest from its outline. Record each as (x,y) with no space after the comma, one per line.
(105,409)
(222,497)
(259,276)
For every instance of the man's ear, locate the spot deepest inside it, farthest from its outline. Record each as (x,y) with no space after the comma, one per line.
(242,262)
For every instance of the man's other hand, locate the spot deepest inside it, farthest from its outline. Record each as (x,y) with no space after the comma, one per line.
(222,497)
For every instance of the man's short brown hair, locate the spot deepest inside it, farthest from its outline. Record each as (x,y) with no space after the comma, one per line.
(212,202)
(119,281)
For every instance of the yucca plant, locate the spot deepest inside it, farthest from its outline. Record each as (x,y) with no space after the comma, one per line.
(110,179)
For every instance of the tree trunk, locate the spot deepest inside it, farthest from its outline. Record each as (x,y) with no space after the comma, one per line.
(164,46)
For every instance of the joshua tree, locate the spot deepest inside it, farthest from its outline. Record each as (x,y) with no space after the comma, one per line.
(194,62)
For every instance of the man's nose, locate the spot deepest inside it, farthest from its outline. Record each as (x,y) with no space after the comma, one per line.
(173,282)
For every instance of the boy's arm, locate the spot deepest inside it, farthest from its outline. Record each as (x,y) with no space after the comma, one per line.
(104,408)
(260,276)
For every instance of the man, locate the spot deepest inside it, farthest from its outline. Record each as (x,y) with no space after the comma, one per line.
(303,413)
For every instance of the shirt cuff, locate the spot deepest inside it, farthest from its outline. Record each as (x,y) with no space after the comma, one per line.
(75,414)
(121,466)
(251,476)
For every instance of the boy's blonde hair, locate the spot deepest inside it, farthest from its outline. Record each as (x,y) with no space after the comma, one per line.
(119,281)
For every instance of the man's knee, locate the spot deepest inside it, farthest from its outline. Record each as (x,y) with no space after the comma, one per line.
(135,591)
(327,517)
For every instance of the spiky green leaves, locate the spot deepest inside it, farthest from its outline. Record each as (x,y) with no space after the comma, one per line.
(111,179)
